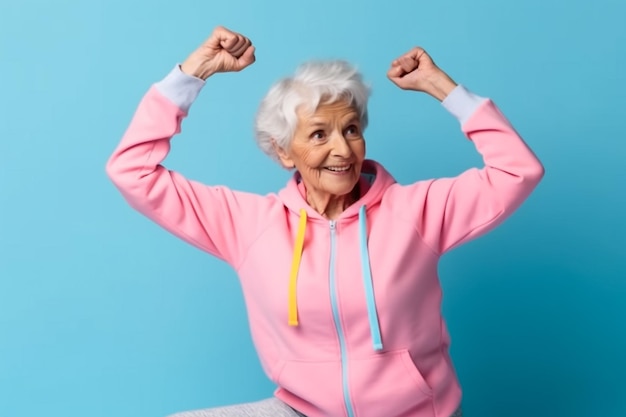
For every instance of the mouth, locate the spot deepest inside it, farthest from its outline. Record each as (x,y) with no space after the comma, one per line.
(338,169)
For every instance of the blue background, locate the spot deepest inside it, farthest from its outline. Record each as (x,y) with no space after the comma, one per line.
(104,314)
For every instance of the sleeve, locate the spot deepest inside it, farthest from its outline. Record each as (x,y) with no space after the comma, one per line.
(453,211)
(213,218)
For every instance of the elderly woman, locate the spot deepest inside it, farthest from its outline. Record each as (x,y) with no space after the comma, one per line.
(339,268)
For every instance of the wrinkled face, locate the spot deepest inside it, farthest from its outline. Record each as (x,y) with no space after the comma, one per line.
(327,148)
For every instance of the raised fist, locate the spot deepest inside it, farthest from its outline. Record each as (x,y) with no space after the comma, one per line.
(415,70)
(223,51)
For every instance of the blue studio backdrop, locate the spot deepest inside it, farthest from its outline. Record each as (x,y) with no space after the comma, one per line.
(104,314)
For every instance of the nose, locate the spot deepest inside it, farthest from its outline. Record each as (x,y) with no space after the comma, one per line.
(340,146)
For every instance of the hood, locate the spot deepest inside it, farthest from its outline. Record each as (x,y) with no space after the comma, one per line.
(374,182)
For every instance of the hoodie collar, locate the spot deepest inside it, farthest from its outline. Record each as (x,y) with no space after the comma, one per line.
(374,181)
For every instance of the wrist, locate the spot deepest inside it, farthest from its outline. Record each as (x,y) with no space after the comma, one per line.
(440,85)
(196,69)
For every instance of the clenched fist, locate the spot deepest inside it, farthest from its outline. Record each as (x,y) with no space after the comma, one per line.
(416,71)
(223,51)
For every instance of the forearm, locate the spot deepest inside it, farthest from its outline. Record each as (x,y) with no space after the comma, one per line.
(459,209)
(495,138)
(190,210)
(146,142)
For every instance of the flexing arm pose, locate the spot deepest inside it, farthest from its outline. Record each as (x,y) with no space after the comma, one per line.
(339,268)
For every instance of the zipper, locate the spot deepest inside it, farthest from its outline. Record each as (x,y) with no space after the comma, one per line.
(335,306)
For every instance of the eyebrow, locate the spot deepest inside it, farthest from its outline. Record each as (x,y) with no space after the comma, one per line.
(354,118)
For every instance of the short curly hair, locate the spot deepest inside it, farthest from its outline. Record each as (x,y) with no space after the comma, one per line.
(314,83)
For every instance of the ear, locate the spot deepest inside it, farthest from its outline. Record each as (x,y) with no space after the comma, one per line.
(283,155)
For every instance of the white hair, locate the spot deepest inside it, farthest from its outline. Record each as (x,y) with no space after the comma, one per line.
(314,83)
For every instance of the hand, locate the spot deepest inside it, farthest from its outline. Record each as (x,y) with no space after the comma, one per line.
(416,71)
(223,51)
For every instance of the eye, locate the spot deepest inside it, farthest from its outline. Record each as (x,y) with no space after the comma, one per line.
(352,130)
(318,135)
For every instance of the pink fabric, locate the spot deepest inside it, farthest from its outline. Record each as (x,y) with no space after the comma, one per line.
(410,227)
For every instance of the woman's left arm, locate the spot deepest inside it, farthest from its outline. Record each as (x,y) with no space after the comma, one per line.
(455,210)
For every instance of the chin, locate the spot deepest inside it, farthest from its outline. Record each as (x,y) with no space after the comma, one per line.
(343,188)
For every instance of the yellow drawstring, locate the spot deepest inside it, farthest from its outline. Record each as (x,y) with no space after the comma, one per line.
(295,266)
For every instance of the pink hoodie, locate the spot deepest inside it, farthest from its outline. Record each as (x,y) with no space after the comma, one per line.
(346,314)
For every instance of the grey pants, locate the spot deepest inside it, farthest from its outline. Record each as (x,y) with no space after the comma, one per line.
(272,407)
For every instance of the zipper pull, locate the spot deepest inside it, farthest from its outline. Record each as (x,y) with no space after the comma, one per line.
(333,224)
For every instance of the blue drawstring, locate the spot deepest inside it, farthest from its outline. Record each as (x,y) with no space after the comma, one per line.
(367,282)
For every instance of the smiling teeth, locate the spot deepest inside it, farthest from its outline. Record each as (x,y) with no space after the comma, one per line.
(338,169)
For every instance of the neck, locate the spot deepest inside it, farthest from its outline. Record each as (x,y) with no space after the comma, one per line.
(331,206)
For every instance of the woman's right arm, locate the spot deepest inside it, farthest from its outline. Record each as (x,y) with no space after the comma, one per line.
(207,217)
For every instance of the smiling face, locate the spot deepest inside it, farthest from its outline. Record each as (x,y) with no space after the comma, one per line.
(327,149)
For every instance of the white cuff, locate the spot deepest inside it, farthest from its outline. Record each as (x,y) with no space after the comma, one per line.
(462,103)
(180,88)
